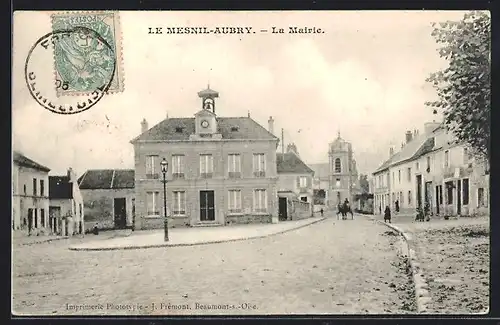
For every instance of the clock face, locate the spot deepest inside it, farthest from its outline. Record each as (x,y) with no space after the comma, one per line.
(204,124)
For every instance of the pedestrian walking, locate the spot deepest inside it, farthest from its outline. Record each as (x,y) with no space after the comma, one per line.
(321,211)
(387,214)
(95,229)
(396,205)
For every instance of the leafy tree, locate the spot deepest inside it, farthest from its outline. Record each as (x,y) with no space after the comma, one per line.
(364,184)
(463,87)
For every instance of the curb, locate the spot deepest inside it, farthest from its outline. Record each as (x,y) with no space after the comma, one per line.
(192,244)
(421,287)
(43,241)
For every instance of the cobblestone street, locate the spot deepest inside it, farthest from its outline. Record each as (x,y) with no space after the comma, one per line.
(330,267)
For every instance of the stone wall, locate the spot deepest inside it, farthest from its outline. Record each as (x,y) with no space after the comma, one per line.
(99,206)
(248,219)
(299,210)
(158,223)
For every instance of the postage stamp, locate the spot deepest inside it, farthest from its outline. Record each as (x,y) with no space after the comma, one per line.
(82,63)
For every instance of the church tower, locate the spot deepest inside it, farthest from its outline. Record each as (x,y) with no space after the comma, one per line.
(340,170)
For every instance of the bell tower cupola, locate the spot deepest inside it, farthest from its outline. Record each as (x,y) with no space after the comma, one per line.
(206,120)
(208,99)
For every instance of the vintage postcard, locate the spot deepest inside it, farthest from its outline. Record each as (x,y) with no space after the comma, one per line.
(250,163)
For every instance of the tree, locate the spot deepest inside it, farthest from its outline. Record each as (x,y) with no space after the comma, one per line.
(364,184)
(463,88)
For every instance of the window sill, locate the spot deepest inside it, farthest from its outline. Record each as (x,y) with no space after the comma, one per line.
(178,216)
(236,214)
(153,217)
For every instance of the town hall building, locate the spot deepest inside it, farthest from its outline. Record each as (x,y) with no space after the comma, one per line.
(221,170)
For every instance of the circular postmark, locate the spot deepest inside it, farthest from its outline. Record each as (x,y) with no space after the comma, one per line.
(84,67)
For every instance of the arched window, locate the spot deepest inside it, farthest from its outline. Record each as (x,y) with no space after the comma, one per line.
(338,166)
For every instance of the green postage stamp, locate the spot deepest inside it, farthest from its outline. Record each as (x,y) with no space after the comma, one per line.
(88,54)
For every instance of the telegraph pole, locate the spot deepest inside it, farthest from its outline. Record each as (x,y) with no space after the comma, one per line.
(282,142)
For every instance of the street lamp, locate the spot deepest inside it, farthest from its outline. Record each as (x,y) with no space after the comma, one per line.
(164,169)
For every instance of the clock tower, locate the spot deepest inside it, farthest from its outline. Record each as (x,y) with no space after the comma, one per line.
(206,121)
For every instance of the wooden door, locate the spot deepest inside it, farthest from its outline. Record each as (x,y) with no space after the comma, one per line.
(120,213)
(207,206)
(283,215)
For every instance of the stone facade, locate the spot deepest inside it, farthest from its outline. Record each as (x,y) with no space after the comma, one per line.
(99,206)
(30,194)
(220,170)
(343,177)
(66,210)
(192,183)
(109,198)
(433,168)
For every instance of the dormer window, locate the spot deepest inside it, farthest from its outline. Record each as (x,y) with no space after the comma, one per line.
(234,129)
(179,129)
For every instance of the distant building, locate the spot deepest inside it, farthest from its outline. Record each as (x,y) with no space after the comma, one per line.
(221,170)
(108,198)
(321,182)
(295,185)
(66,205)
(433,168)
(30,194)
(343,173)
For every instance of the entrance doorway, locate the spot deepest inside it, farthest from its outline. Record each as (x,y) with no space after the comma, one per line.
(30,220)
(437,199)
(459,197)
(419,191)
(120,207)
(54,218)
(283,214)
(428,195)
(207,206)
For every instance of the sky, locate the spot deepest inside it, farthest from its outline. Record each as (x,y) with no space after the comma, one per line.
(363,77)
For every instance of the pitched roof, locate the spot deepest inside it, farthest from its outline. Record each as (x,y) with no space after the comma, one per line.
(208,92)
(22,160)
(417,147)
(106,179)
(321,170)
(386,164)
(60,187)
(241,128)
(291,163)
(425,148)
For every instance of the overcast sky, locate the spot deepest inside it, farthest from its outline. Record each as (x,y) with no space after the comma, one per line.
(364,76)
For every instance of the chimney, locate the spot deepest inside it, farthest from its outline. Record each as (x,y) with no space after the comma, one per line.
(248,113)
(430,126)
(144,125)
(409,136)
(291,147)
(70,175)
(391,151)
(271,124)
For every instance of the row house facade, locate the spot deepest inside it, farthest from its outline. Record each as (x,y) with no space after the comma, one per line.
(66,210)
(295,185)
(221,170)
(434,169)
(30,194)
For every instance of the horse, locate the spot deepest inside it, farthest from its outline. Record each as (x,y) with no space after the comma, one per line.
(343,210)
